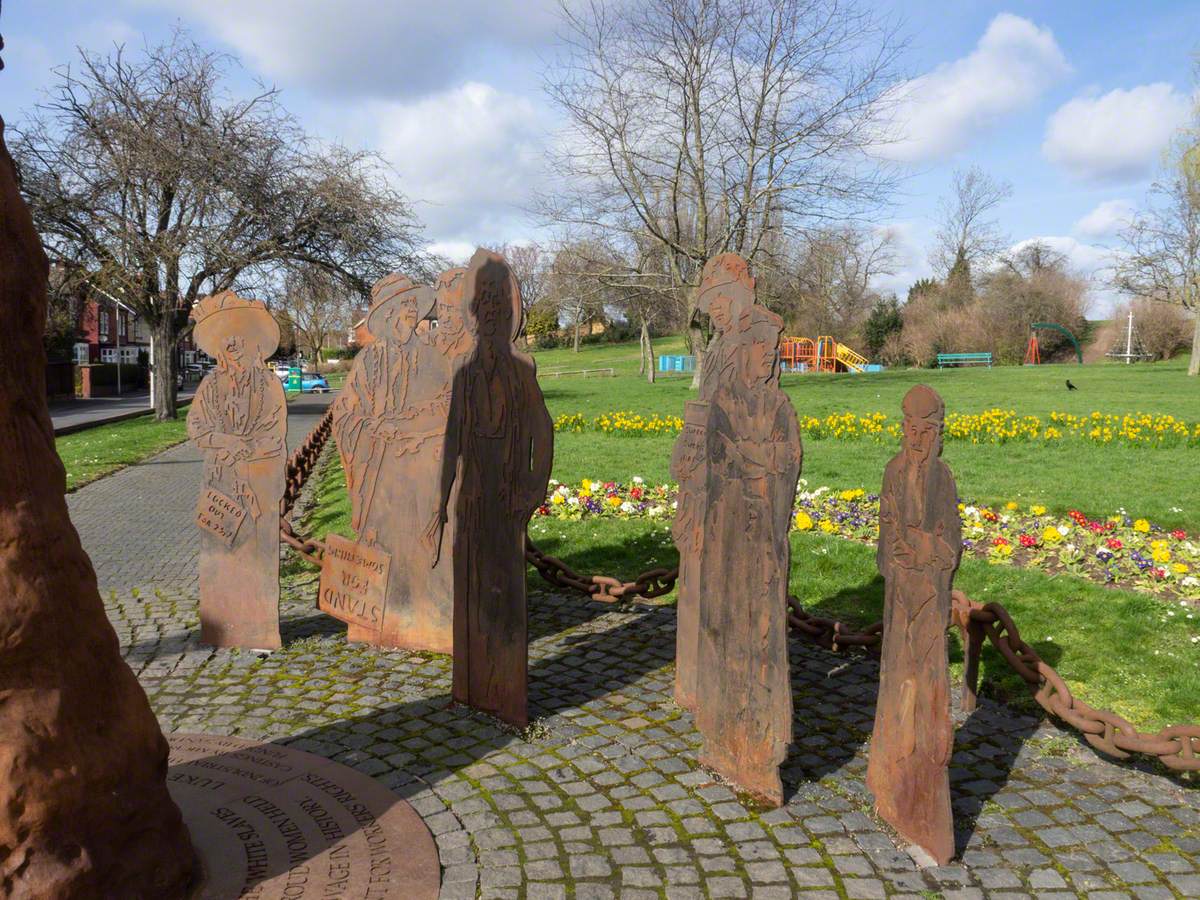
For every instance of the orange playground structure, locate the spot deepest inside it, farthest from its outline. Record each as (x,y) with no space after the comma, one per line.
(798,354)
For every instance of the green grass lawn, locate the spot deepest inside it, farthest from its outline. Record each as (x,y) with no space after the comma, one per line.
(97,452)
(1103,641)
(1157,484)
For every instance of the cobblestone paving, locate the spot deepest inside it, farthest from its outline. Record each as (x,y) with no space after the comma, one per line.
(602,797)
(138,524)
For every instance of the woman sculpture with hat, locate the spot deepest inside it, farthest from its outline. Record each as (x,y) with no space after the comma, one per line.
(390,422)
(238,419)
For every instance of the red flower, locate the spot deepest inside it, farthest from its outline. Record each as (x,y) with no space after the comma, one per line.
(1179,534)
(1000,542)
(990,516)
(1114,544)
(1159,573)
(543,510)
(636,493)
(1028,540)
(1078,517)
(1096,527)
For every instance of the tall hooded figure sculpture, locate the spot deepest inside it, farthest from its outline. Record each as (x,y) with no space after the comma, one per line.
(920,544)
(743,682)
(726,294)
(84,809)
(499,450)
(239,421)
(390,424)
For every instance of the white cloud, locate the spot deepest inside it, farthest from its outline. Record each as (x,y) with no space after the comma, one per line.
(1091,261)
(470,156)
(1116,136)
(1106,220)
(398,48)
(942,111)
(458,253)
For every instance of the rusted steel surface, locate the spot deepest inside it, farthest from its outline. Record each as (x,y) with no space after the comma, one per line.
(689,468)
(498,453)
(725,295)
(920,543)
(84,809)
(238,420)
(390,424)
(743,700)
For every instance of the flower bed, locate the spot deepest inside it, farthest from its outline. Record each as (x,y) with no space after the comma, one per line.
(992,426)
(1118,549)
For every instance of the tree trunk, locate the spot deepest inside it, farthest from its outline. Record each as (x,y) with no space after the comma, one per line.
(642,350)
(1194,362)
(163,343)
(577,326)
(698,348)
(648,351)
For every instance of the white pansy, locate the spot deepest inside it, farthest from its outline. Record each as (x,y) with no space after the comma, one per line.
(637,479)
(573,501)
(627,507)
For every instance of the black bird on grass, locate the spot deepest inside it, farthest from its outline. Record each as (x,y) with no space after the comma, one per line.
(1071,387)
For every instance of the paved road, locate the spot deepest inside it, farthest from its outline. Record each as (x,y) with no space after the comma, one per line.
(73,415)
(602,796)
(138,524)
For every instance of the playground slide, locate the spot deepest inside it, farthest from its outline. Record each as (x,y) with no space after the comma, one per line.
(853,362)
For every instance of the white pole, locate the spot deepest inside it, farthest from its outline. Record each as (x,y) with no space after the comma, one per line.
(1129,339)
(117,310)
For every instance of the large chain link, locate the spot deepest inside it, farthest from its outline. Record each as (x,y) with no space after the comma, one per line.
(300,466)
(651,583)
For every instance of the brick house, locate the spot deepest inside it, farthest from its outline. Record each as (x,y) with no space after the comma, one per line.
(103,327)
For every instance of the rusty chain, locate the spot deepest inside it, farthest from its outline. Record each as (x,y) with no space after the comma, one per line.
(651,583)
(300,466)
(1176,747)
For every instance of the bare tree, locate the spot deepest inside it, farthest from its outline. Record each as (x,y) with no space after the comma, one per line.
(708,126)
(163,186)
(967,233)
(575,288)
(317,304)
(1161,258)
(530,264)
(826,287)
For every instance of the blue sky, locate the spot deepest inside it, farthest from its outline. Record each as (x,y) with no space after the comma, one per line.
(1071,102)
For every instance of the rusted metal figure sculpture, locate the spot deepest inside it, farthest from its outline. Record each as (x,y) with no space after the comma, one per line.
(726,293)
(744,697)
(499,449)
(84,809)
(920,543)
(390,423)
(239,421)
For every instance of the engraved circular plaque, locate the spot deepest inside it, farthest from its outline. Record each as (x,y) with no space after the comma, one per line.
(270,822)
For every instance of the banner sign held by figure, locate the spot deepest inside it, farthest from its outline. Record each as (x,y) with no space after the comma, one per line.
(220,516)
(354,581)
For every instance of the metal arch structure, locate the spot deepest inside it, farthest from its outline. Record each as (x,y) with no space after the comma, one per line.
(1054,326)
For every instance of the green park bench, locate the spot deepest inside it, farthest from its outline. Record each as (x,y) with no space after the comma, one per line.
(964,359)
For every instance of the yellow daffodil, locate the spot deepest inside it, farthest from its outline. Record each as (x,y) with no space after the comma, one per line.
(804,521)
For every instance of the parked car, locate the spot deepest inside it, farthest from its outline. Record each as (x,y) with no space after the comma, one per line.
(312,382)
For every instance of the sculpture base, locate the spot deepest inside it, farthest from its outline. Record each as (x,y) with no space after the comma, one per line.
(271,822)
